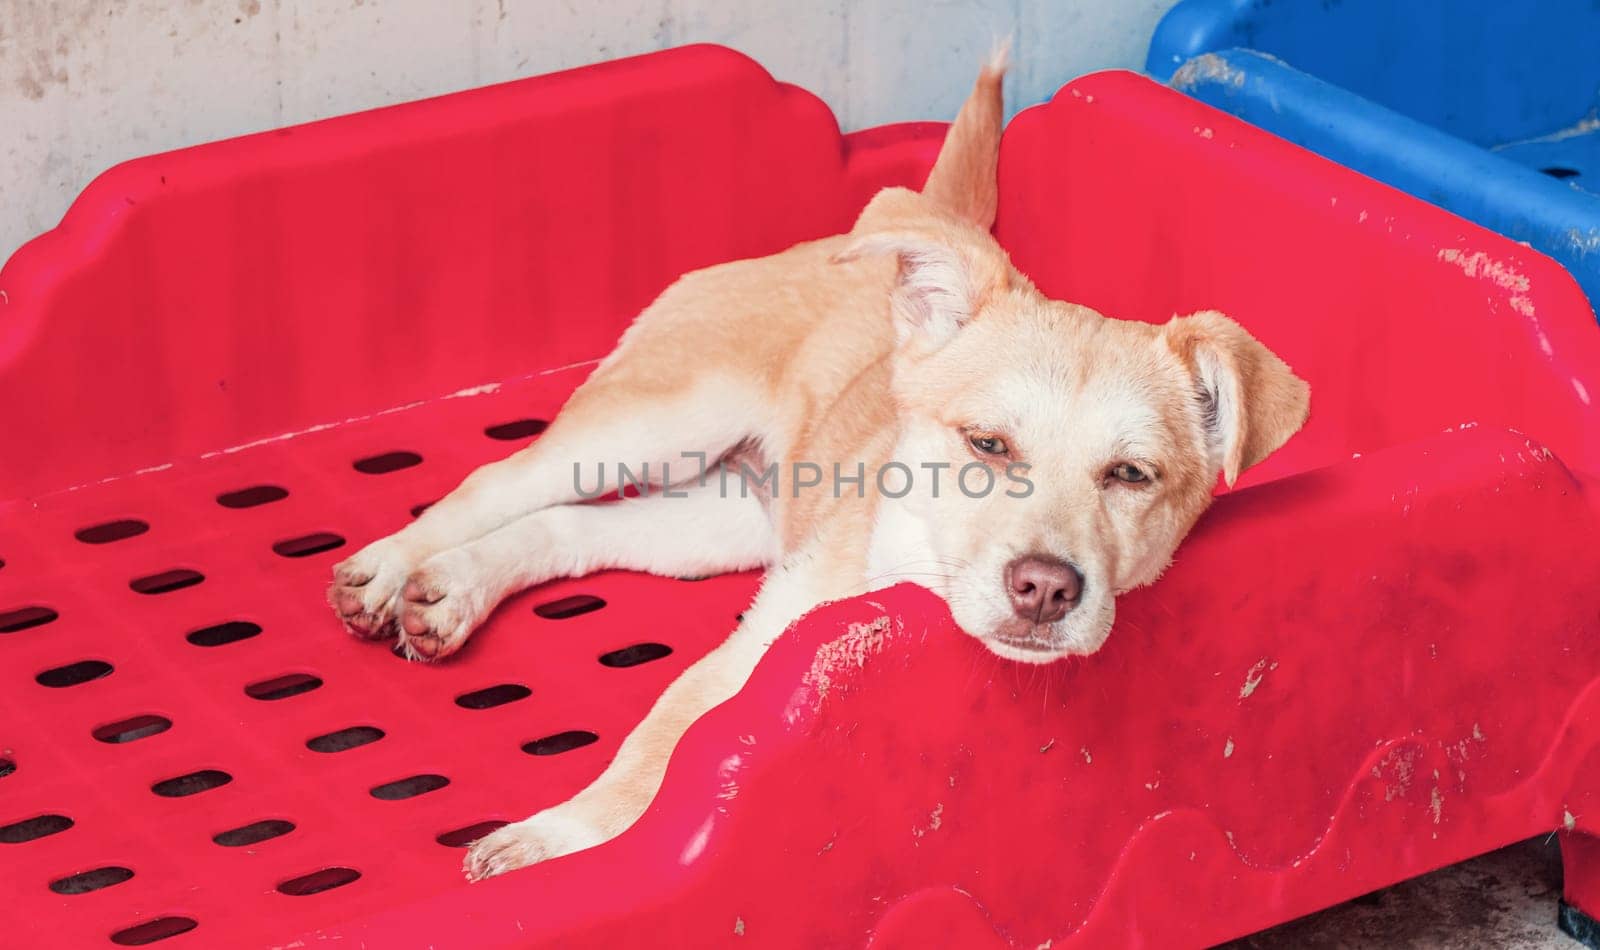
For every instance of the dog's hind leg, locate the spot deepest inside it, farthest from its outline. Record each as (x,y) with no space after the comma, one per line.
(689,531)
(620,417)
(620,795)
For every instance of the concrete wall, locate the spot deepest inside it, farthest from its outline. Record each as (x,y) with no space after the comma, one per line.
(87,83)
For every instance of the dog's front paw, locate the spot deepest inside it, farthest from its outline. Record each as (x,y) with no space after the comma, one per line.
(442,602)
(549,834)
(365,592)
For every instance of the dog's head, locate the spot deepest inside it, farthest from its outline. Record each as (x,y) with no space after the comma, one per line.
(1099,441)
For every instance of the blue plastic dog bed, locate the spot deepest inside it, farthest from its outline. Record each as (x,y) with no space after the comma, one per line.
(1488,108)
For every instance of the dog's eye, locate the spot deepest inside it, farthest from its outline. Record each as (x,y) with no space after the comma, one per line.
(988,444)
(1129,474)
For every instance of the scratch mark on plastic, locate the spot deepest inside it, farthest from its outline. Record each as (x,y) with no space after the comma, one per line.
(1253,679)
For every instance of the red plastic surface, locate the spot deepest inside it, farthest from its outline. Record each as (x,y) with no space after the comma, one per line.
(1377,658)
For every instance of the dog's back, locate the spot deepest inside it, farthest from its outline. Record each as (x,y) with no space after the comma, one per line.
(799,325)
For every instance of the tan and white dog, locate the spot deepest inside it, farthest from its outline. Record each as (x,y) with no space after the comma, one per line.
(908,351)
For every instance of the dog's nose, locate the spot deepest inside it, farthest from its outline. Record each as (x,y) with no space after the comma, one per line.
(1043,588)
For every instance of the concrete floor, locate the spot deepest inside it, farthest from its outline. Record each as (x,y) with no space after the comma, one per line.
(1505,899)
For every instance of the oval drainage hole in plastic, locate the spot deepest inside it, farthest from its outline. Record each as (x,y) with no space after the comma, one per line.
(386,463)
(167,581)
(282,687)
(568,607)
(25,618)
(351,737)
(560,742)
(517,429)
(132,729)
(409,787)
(318,881)
(221,634)
(192,784)
(73,674)
(492,696)
(253,833)
(252,496)
(85,881)
(29,829)
(308,544)
(153,930)
(465,835)
(111,531)
(634,655)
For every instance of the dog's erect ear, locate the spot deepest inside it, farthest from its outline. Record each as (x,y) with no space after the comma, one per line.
(1253,402)
(941,286)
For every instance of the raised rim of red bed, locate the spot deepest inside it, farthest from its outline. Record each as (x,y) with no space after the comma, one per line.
(741,145)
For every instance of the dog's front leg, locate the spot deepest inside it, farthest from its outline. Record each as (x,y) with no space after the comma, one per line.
(697,530)
(620,795)
(606,424)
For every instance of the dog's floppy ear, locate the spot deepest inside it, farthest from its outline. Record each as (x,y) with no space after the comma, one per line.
(1252,401)
(940,286)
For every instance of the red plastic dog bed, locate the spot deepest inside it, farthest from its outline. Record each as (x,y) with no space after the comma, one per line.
(233,364)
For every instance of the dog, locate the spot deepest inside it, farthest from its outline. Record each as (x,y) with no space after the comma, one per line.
(1076,452)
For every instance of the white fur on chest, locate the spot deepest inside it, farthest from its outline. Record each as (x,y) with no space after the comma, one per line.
(901,545)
